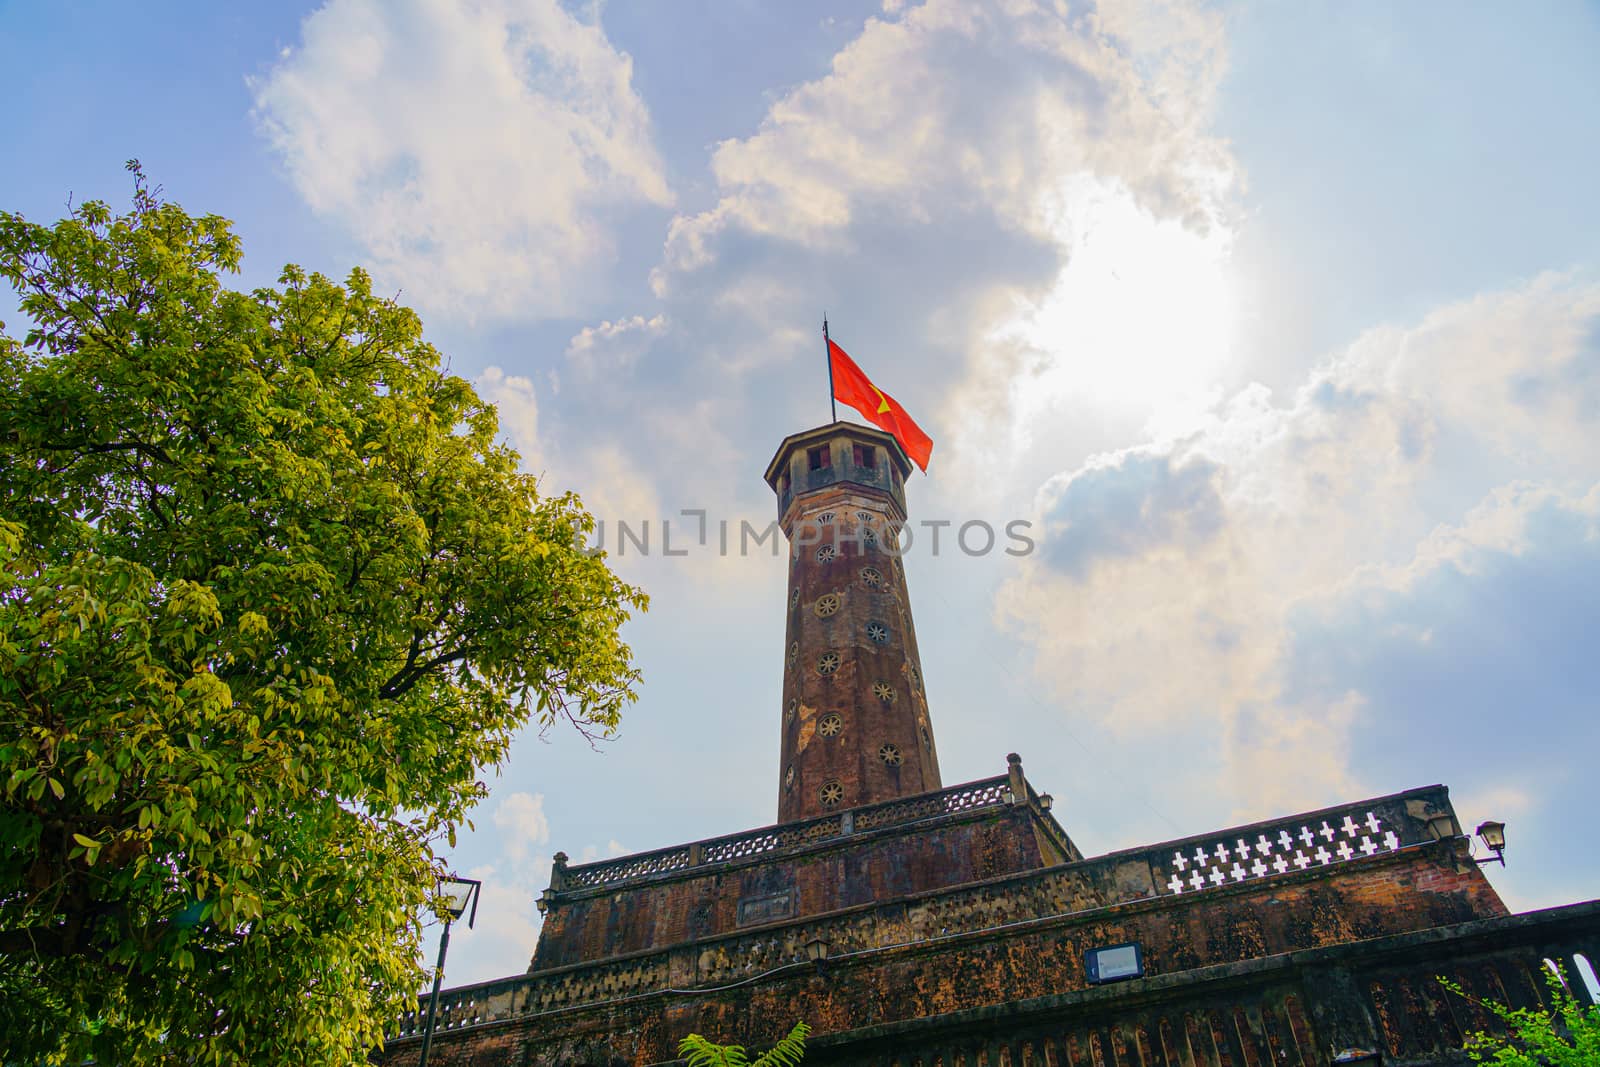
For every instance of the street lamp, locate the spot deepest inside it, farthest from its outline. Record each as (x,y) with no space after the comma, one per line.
(817,952)
(459,895)
(1443,825)
(1493,835)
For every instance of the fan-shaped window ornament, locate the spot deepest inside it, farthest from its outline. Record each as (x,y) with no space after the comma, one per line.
(871,577)
(829,663)
(825,519)
(830,725)
(831,793)
(826,554)
(883,691)
(788,777)
(865,516)
(869,538)
(877,633)
(890,754)
(826,605)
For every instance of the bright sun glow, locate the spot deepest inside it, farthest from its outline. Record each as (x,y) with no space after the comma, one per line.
(1140,320)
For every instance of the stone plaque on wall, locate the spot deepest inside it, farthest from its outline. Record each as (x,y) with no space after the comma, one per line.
(768,908)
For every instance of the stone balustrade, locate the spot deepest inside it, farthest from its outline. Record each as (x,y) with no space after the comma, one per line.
(1071,889)
(768,840)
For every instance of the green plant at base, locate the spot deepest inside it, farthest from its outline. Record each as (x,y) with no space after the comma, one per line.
(1565,1035)
(786,1053)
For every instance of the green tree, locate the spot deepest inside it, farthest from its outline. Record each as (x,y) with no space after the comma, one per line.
(272,598)
(786,1053)
(1567,1034)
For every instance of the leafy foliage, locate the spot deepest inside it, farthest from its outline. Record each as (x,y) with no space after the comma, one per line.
(786,1053)
(1565,1035)
(270,598)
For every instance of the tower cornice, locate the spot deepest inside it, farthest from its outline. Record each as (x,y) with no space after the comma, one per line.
(813,437)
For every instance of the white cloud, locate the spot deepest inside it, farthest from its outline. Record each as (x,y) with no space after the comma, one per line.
(517,401)
(522,823)
(1129,505)
(616,486)
(1171,576)
(614,346)
(507,928)
(953,107)
(477,150)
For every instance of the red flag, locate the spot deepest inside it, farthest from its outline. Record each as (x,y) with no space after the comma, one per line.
(854,388)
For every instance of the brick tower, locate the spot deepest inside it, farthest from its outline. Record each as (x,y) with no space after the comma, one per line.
(855,717)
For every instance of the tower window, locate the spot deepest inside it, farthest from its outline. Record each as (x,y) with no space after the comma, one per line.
(865,456)
(871,577)
(890,754)
(826,605)
(831,793)
(819,458)
(828,663)
(830,725)
(884,692)
(877,633)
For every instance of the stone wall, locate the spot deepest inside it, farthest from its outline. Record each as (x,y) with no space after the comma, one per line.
(1023,986)
(989,945)
(709,888)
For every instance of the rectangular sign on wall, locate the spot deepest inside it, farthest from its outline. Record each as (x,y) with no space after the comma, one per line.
(1113,963)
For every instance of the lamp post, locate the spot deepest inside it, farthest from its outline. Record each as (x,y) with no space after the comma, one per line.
(459,895)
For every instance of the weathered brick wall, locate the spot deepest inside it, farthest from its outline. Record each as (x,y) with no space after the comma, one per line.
(898,968)
(700,904)
(961,835)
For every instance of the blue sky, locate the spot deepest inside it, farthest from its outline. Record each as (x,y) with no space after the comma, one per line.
(1281,324)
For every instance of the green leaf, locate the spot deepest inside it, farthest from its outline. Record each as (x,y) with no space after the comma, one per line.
(226,520)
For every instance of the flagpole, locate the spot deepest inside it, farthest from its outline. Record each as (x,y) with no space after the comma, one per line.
(827,351)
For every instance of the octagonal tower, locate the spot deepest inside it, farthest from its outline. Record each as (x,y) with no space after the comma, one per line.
(855,716)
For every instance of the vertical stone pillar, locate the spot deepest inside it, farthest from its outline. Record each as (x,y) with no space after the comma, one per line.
(855,726)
